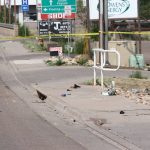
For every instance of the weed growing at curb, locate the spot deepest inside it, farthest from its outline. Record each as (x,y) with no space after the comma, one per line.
(137,75)
(32,45)
(59,62)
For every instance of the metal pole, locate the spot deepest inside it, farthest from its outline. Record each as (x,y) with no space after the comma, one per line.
(25,30)
(139,28)
(88,24)
(106,24)
(37,17)
(106,30)
(68,47)
(101,25)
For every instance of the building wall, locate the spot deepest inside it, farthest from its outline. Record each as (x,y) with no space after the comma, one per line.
(10,32)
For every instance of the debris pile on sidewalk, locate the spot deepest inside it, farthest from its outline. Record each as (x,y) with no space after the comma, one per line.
(133,89)
(140,96)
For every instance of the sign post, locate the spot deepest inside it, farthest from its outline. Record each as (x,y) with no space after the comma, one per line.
(25,8)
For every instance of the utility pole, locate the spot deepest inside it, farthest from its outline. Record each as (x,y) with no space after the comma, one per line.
(101,25)
(88,24)
(106,23)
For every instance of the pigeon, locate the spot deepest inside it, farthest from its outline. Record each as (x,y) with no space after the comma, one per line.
(75,86)
(41,95)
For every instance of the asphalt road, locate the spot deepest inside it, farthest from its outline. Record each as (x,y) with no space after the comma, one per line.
(22,129)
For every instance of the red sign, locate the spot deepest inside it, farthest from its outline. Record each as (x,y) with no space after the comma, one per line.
(55,51)
(57,16)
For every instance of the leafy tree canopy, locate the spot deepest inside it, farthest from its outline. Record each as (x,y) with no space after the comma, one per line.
(144,9)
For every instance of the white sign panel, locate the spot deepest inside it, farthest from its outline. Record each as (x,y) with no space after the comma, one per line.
(117,9)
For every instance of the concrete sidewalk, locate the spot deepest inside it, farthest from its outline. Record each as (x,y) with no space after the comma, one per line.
(101,113)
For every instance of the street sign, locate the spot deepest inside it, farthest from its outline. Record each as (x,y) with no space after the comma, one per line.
(57,16)
(25,6)
(56,9)
(58,2)
(58,6)
(55,51)
(60,27)
(43,27)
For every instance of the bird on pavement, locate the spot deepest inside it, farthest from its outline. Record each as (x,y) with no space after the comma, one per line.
(41,95)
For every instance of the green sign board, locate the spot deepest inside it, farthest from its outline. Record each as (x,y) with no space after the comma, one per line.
(58,2)
(58,6)
(56,9)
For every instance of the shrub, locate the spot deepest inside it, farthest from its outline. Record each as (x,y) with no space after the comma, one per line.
(59,62)
(79,46)
(82,59)
(137,74)
(32,45)
(23,30)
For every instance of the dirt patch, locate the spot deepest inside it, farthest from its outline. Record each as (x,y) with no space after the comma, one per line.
(133,89)
(129,83)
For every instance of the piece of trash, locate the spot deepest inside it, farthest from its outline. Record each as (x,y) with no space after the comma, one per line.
(109,92)
(63,95)
(105,93)
(147,91)
(122,112)
(113,84)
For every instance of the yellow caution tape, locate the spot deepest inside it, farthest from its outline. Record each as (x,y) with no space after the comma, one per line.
(76,34)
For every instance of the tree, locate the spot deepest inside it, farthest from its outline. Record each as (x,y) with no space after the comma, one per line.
(7,18)
(144,9)
(82,12)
